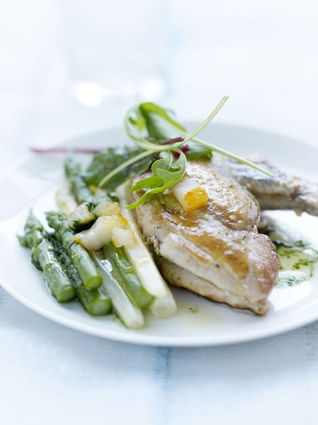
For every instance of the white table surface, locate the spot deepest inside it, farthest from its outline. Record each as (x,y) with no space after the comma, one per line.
(261,53)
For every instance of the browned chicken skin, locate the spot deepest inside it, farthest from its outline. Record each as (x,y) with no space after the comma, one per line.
(217,251)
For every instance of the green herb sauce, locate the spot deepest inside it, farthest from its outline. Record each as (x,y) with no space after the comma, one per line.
(296,244)
(297,263)
(194,308)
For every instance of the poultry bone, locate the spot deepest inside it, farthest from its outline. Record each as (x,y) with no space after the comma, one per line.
(281,191)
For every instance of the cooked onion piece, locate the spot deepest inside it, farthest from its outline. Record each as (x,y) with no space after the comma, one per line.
(190,195)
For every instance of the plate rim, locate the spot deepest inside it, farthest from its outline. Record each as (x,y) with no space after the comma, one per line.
(159,341)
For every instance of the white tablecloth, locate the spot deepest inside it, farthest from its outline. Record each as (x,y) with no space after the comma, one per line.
(189,53)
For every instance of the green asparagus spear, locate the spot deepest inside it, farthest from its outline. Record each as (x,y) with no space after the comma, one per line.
(124,273)
(60,285)
(130,315)
(121,273)
(97,302)
(122,270)
(80,258)
(45,259)
(33,232)
(79,188)
(84,214)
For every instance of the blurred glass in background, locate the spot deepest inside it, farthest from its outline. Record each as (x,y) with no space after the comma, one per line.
(73,66)
(116,52)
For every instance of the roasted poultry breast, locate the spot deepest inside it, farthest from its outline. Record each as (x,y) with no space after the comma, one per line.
(217,251)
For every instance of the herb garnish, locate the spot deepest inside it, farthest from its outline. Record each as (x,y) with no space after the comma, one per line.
(154,131)
(166,172)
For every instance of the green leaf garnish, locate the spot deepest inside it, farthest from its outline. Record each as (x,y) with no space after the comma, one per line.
(159,122)
(166,172)
(161,126)
(194,151)
(151,127)
(134,122)
(100,171)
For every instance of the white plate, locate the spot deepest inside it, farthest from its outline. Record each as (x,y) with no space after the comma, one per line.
(199,322)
